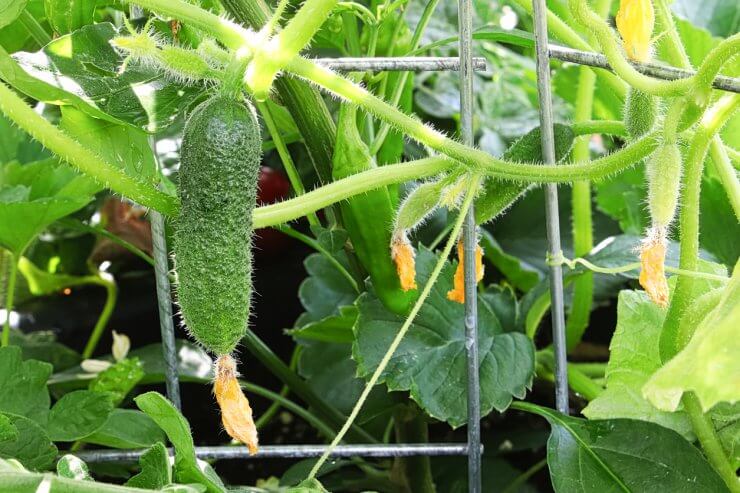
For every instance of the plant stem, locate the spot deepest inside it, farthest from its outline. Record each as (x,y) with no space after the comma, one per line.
(111,293)
(34,28)
(727,174)
(583,241)
(81,157)
(710,443)
(416,472)
(475,181)
(711,123)
(604,127)
(288,164)
(9,295)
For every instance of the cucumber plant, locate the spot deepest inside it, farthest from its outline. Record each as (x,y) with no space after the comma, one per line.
(377,291)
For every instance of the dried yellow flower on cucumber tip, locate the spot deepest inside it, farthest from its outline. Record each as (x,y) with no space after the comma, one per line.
(457,293)
(236,414)
(404,257)
(652,267)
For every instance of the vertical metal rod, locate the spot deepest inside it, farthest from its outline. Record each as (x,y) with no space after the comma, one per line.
(551,206)
(164,302)
(469,246)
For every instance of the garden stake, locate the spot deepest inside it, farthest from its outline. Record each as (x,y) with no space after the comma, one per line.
(470,244)
(551,207)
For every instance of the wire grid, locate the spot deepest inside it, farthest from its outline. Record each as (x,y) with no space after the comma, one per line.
(465,64)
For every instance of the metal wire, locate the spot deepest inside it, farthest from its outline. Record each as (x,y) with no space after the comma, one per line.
(551,206)
(659,71)
(470,242)
(395,64)
(291,452)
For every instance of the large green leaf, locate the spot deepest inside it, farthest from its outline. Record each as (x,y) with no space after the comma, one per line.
(10,10)
(34,195)
(23,385)
(709,364)
(81,69)
(431,360)
(622,455)
(720,17)
(31,446)
(127,428)
(78,414)
(634,357)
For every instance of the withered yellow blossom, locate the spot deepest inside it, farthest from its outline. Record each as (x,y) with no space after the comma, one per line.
(635,23)
(652,270)
(458,289)
(403,255)
(236,415)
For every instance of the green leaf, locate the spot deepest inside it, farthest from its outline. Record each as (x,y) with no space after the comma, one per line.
(622,455)
(42,346)
(634,357)
(334,328)
(78,414)
(156,471)
(622,197)
(719,228)
(708,365)
(324,290)
(31,447)
(127,428)
(67,15)
(118,380)
(308,486)
(187,467)
(10,10)
(8,431)
(431,362)
(23,385)
(81,69)
(17,145)
(518,272)
(72,467)
(32,196)
(720,17)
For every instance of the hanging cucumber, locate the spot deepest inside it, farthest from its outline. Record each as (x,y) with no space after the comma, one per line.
(368,217)
(220,160)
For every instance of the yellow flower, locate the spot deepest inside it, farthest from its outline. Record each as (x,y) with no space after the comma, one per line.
(458,290)
(652,271)
(403,255)
(635,22)
(236,415)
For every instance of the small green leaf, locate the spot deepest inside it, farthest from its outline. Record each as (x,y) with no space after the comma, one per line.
(118,380)
(72,467)
(324,290)
(334,328)
(31,447)
(78,414)
(127,428)
(622,455)
(23,385)
(187,467)
(156,471)
(431,363)
(308,486)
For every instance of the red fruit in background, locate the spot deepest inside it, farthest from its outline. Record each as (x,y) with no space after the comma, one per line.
(273,187)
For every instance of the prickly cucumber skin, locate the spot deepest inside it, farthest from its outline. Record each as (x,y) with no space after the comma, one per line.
(640,112)
(664,184)
(220,161)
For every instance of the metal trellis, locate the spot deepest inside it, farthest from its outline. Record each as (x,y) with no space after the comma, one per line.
(466,64)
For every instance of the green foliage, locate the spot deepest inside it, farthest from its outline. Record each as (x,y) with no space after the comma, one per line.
(78,414)
(430,362)
(220,161)
(10,10)
(31,445)
(156,471)
(66,16)
(72,467)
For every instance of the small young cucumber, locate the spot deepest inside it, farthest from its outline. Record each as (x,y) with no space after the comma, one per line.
(498,195)
(640,112)
(220,160)
(664,184)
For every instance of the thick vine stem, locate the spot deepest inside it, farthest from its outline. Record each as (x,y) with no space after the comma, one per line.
(613,52)
(82,158)
(276,52)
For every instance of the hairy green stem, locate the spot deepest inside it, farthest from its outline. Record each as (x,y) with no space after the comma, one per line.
(475,181)
(604,127)
(9,295)
(583,238)
(710,442)
(111,294)
(81,157)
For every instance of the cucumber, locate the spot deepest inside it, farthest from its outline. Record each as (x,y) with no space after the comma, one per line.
(220,161)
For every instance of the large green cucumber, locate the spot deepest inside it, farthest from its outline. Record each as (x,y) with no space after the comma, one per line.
(219,166)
